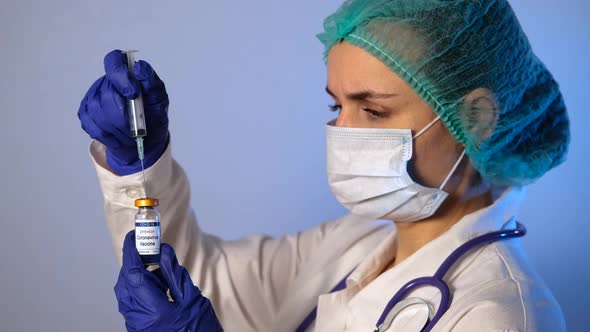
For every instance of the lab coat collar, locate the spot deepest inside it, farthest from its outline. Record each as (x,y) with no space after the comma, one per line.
(425,262)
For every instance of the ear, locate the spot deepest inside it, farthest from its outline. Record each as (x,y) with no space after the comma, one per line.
(481,113)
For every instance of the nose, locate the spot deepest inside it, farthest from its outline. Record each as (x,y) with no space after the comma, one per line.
(344,119)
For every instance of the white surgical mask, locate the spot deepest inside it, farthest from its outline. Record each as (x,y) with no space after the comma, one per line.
(367,171)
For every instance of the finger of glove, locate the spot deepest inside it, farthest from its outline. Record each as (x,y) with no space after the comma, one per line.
(102,115)
(87,108)
(121,286)
(147,289)
(179,281)
(131,258)
(96,132)
(155,100)
(152,87)
(145,309)
(142,284)
(115,66)
(158,274)
(113,116)
(84,108)
(126,304)
(123,298)
(133,267)
(140,306)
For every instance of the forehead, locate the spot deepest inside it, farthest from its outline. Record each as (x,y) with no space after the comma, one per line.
(350,68)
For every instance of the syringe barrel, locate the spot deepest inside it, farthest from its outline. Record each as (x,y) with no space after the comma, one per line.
(136,117)
(135,106)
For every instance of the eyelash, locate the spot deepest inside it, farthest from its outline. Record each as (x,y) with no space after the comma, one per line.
(373,113)
(335,108)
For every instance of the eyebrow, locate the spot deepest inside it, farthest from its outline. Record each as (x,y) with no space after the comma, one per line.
(364,95)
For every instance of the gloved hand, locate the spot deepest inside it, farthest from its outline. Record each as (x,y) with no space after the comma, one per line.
(103,113)
(143,301)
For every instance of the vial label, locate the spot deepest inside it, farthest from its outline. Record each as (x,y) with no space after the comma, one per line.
(147,237)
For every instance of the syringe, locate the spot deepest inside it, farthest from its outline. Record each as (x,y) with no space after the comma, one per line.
(136,116)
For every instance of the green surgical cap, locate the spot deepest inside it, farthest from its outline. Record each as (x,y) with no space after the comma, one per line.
(445,50)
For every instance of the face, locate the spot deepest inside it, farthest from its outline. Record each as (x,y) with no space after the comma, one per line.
(367,94)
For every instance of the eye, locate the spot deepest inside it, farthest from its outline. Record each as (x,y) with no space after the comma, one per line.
(335,108)
(376,114)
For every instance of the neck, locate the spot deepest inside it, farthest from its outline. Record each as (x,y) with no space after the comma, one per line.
(411,236)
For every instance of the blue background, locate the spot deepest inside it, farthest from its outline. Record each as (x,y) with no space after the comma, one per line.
(246,82)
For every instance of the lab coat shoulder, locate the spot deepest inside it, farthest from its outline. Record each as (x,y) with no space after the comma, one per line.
(253,281)
(509,295)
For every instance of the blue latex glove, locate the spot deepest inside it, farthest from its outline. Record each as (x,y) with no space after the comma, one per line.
(103,113)
(143,301)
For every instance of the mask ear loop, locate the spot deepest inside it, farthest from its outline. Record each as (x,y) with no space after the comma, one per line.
(427,127)
(452,170)
(456,163)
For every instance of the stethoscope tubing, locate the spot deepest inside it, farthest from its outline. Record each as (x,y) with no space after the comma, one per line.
(437,280)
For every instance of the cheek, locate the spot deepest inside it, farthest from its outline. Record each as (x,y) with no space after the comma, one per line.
(435,153)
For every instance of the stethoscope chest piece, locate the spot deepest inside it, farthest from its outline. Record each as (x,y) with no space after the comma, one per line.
(411,314)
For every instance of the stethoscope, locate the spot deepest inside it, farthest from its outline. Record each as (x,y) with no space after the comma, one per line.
(398,302)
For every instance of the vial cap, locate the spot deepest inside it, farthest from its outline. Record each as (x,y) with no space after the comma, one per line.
(143,202)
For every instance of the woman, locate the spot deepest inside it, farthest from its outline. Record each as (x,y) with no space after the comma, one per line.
(444,115)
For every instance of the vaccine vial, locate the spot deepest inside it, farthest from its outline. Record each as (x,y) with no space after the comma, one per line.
(147,230)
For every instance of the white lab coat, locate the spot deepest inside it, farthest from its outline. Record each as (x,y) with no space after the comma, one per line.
(260,283)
